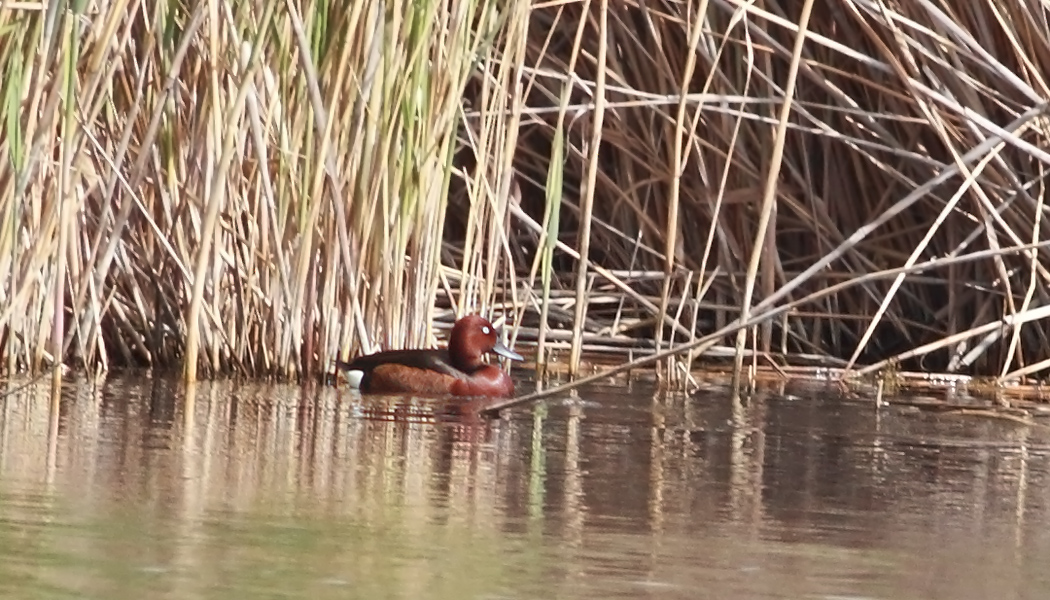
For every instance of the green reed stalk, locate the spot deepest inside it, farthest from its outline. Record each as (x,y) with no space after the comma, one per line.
(12,143)
(551,227)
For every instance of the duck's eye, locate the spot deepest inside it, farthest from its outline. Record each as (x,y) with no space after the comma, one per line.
(485,329)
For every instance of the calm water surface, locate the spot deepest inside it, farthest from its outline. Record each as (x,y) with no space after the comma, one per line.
(616,491)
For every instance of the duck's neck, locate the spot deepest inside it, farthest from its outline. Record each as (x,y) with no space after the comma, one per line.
(463,356)
(469,364)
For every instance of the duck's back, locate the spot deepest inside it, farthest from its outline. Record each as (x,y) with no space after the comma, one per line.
(434,360)
(401,370)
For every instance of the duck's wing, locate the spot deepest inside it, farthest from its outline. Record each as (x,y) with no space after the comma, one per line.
(431,360)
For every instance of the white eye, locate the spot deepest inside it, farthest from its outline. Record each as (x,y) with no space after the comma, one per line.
(485,329)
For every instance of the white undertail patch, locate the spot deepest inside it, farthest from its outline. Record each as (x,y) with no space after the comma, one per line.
(353,378)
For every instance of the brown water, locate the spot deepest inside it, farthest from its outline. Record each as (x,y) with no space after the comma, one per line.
(615,492)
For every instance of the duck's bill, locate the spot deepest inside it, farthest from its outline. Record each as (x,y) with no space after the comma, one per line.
(506,352)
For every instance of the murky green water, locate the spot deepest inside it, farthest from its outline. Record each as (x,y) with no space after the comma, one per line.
(616,492)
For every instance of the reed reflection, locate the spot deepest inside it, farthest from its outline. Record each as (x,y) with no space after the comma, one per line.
(603,486)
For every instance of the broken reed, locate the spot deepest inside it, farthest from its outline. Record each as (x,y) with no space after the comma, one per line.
(275,179)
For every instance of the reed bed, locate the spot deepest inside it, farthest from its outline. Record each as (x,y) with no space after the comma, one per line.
(257,187)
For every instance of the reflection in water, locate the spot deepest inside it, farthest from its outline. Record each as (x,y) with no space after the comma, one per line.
(136,487)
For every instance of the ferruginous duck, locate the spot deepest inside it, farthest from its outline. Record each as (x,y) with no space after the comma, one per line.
(454,371)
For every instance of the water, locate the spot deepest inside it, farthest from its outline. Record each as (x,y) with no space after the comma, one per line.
(613,491)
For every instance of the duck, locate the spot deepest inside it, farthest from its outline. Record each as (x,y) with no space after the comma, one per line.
(457,370)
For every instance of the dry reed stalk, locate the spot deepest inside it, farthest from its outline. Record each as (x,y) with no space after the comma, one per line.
(762,248)
(587,199)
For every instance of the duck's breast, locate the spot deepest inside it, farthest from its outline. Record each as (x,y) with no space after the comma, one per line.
(487,381)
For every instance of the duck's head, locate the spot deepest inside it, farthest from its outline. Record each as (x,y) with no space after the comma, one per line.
(472,337)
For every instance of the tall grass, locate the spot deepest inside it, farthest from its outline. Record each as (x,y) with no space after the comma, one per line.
(247,187)
(257,187)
